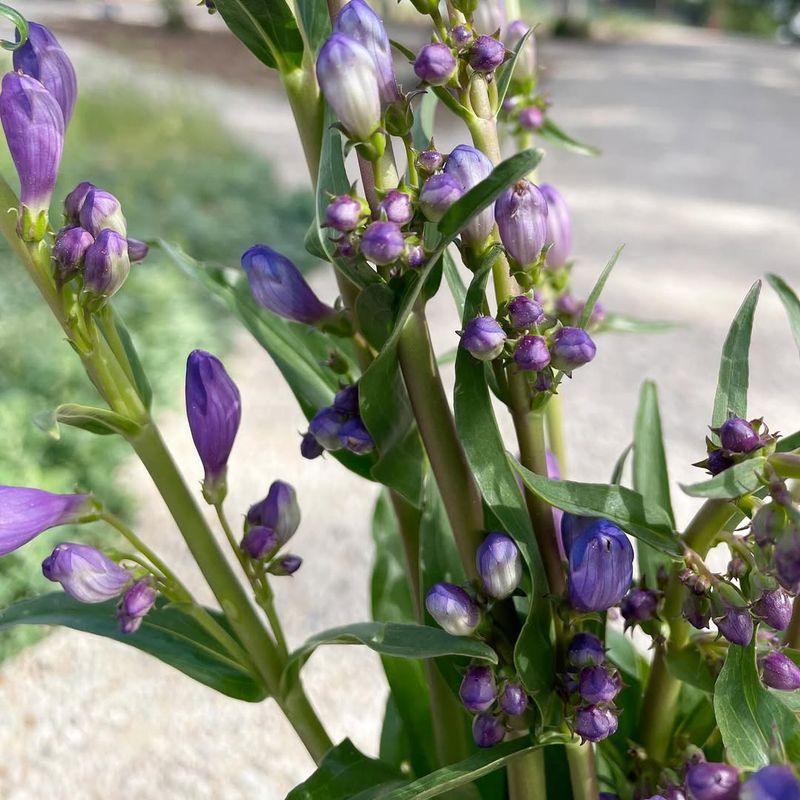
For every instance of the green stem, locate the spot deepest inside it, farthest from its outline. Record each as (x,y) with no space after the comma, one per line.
(554,414)
(582,772)
(306,103)
(526,777)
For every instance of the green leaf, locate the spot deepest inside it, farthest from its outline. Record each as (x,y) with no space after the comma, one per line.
(614,322)
(790,302)
(551,132)
(688,665)
(316,21)
(504,75)
(750,717)
(623,653)
(788,443)
(740,479)
(650,477)
(375,310)
(422,129)
(100,421)
(623,507)
(456,283)
(167,632)
(619,465)
(139,375)
(734,370)
(597,289)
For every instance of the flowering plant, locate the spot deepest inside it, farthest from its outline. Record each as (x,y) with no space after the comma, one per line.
(497,580)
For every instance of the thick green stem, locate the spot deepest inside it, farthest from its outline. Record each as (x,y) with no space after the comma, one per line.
(554,414)
(306,103)
(526,777)
(582,772)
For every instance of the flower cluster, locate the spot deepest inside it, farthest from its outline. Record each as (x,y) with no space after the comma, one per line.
(739,439)
(338,426)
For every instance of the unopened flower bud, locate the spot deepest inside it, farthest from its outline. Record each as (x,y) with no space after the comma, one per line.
(775,608)
(521,216)
(639,605)
(478,689)
(469,166)
(525,65)
(773,782)
(346,399)
(778,671)
(136,603)
(486,54)
(101,210)
(585,650)
(597,685)
(531,353)
(559,227)
(343,213)
(382,243)
(137,251)
(397,207)
(697,611)
(524,312)
(325,426)
(572,526)
(737,435)
(767,523)
(279,511)
(259,542)
(595,723)
(69,251)
(438,193)
(310,448)
(488,730)
(415,256)
(453,609)
(85,574)
(106,264)
(736,625)
(355,437)
(514,699)
(709,781)
(531,118)
(499,565)
(718,461)
(462,36)
(285,565)
(435,64)
(73,202)
(572,348)
(430,161)
(484,338)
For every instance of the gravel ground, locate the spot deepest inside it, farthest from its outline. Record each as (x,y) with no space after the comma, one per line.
(696,179)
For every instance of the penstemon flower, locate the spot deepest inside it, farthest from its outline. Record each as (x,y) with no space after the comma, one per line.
(85,573)
(521,215)
(279,511)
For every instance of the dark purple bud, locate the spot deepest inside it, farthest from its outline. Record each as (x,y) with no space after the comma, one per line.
(767,523)
(593,723)
(572,526)
(355,437)
(559,227)
(499,565)
(521,216)
(469,166)
(430,161)
(514,699)
(737,435)
(102,210)
(310,448)
(69,250)
(136,603)
(259,542)
(25,513)
(344,213)
(524,312)
(43,58)
(531,353)
(572,348)
(736,625)
(531,118)
(525,66)
(85,573)
(279,511)
(773,782)
(488,730)
(214,411)
(787,558)
(415,256)
(709,781)
(484,338)
(596,685)
(585,650)
(639,605)
(382,242)
(279,287)
(453,609)
(486,54)
(478,689)
(137,251)
(697,611)
(462,36)
(346,399)
(435,64)
(106,264)
(718,461)
(737,568)
(775,608)
(566,304)
(397,207)
(285,565)
(438,193)
(600,567)
(73,202)
(325,427)
(778,671)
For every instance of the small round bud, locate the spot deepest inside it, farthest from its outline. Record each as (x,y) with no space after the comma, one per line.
(310,448)
(435,64)
(596,685)
(382,243)
(718,462)
(531,353)
(136,604)
(259,542)
(101,210)
(325,427)
(478,689)
(585,650)
(559,229)
(355,437)
(106,264)
(453,609)
(778,671)
(285,565)
(397,207)
(697,611)
(709,781)
(486,54)
(787,558)
(736,625)
(767,523)
(775,608)
(524,312)
(572,348)
(484,338)
(593,723)
(737,435)
(462,36)
(73,202)
(499,565)
(438,193)
(343,213)
(531,118)
(279,511)
(430,161)
(514,699)
(415,256)
(69,251)
(488,730)
(639,605)
(346,399)
(85,573)
(137,251)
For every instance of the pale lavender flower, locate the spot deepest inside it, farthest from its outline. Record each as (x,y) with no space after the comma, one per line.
(85,573)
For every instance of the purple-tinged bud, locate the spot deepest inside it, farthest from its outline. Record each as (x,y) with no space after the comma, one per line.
(343,213)
(639,605)
(462,36)
(488,730)
(600,567)
(349,81)
(415,256)
(524,312)
(259,542)
(593,723)
(572,526)
(709,781)
(671,793)
(478,689)
(566,304)
(737,435)
(285,565)
(499,565)
(469,166)
(101,210)
(355,437)
(484,338)
(767,523)
(697,611)
(25,513)
(718,461)
(531,353)
(214,411)
(397,207)
(559,227)
(775,608)
(486,54)
(358,21)
(585,650)
(136,603)
(137,250)
(737,568)
(43,58)
(736,625)
(531,118)
(438,193)
(382,243)
(514,699)
(453,609)
(596,685)
(279,511)
(346,399)
(787,558)
(778,671)
(773,782)
(521,216)
(572,348)
(435,64)
(310,448)
(85,574)
(430,161)
(325,426)
(525,65)
(278,286)
(106,264)
(69,251)
(73,202)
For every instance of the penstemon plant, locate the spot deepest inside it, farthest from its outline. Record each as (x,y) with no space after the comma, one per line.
(499,584)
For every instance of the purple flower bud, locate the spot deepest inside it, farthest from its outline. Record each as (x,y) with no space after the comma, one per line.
(787,558)
(285,565)
(718,461)
(525,66)
(136,604)
(521,216)
(106,264)
(69,250)
(486,54)
(462,36)
(488,730)
(499,565)
(34,129)
(435,64)
(469,166)
(73,202)
(355,437)
(25,513)
(514,699)
(325,426)
(773,782)
(277,285)
(382,242)
(259,542)
(775,608)
(559,227)
(415,256)
(137,251)
(343,213)
(767,523)
(736,625)
(566,304)
(585,650)
(346,399)
(438,193)
(531,118)
(572,526)
(397,207)
(310,448)
(43,58)
(484,338)
(596,685)
(85,573)
(358,21)
(697,611)
(593,723)
(572,348)
(524,312)
(101,210)
(214,410)
(778,671)
(279,511)
(737,435)
(531,353)
(709,781)
(478,689)
(600,567)
(349,81)
(430,161)
(453,609)
(639,605)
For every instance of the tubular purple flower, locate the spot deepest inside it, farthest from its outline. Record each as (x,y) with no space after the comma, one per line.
(85,573)
(435,64)
(488,730)
(469,166)
(559,227)
(453,609)
(397,207)
(737,435)
(524,312)
(438,193)
(69,251)
(736,625)
(279,511)
(521,216)
(572,526)
(106,264)
(585,650)
(484,338)
(531,353)
(259,542)
(285,565)
(101,210)
(499,565)
(478,689)
(514,699)
(525,67)
(349,81)
(355,437)
(595,723)
(43,58)
(773,782)
(486,54)
(382,242)
(214,410)
(710,781)
(343,213)
(136,603)
(778,671)
(325,426)
(25,513)
(774,607)
(597,685)
(137,251)
(73,202)
(572,348)
(278,286)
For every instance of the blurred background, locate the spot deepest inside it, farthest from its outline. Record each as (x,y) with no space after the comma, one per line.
(695,105)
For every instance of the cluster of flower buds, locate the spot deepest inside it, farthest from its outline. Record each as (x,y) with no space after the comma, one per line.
(338,426)
(739,439)
(524,108)
(590,686)
(639,606)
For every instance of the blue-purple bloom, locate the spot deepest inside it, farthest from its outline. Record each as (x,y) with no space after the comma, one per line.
(488,730)
(106,264)
(484,338)
(778,671)
(595,723)
(85,573)
(343,213)
(355,437)
(712,781)
(136,603)
(453,609)
(382,243)
(585,650)
(514,699)
(346,399)
(486,54)
(469,166)
(279,511)
(325,426)
(532,353)
(521,216)
(572,348)
(101,210)
(738,436)
(773,782)
(597,685)
(438,193)
(572,526)
(499,565)
(396,207)
(524,312)
(69,251)
(435,64)
(259,542)
(478,689)
(559,227)
(639,605)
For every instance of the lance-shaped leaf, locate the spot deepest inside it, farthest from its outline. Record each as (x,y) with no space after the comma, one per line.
(791,303)
(735,481)
(100,421)
(597,289)
(551,132)
(505,73)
